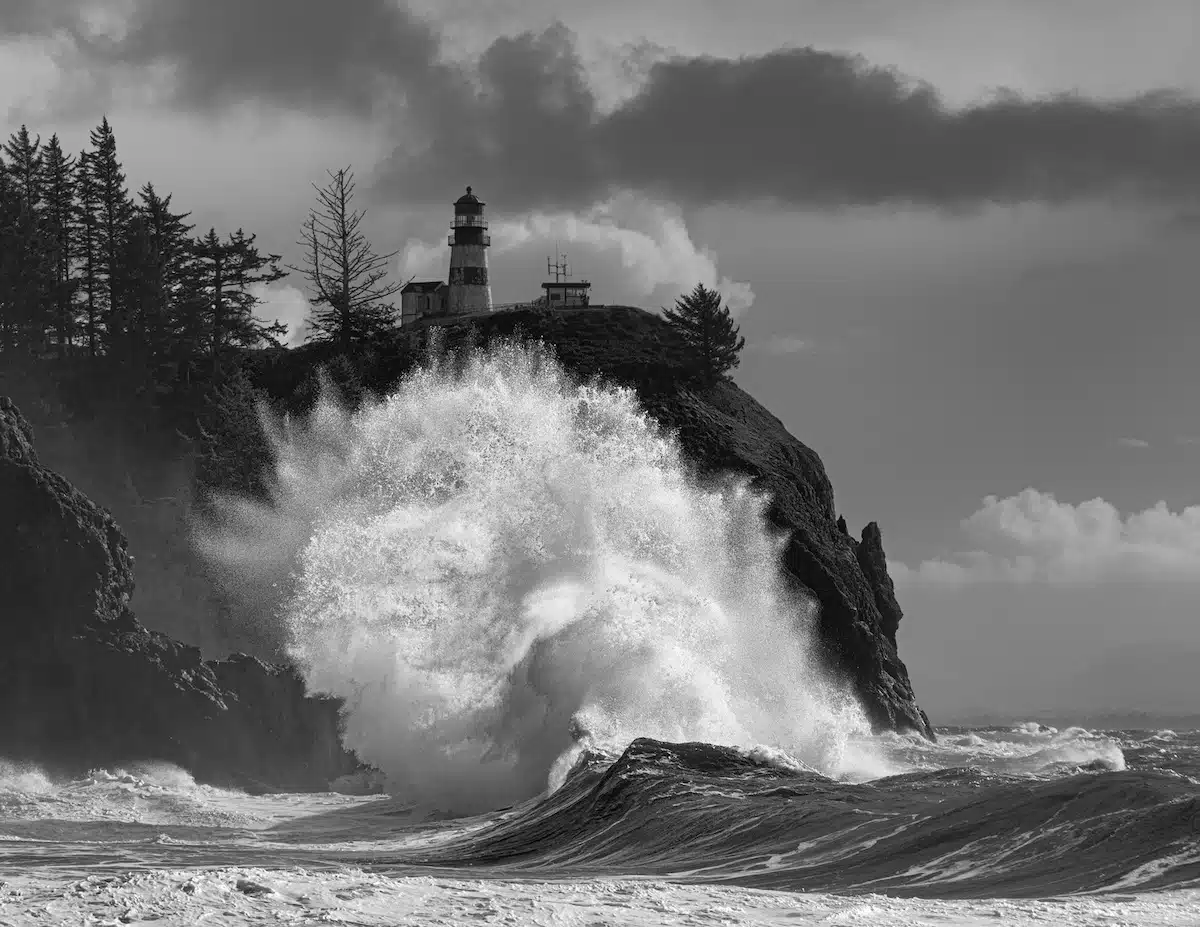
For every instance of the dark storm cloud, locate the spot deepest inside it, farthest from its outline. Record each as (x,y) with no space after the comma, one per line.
(35,18)
(526,138)
(802,126)
(316,55)
(810,126)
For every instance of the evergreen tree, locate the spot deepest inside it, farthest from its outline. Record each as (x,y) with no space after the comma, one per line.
(87,237)
(25,167)
(708,330)
(345,273)
(163,266)
(58,187)
(140,299)
(29,266)
(115,210)
(233,453)
(10,210)
(228,274)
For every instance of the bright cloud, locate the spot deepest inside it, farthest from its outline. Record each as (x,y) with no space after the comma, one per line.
(423,259)
(283,303)
(1032,537)
(652,239)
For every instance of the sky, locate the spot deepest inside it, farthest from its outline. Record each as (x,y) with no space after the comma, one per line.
(961,240)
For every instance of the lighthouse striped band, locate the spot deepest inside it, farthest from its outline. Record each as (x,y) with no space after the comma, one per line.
(468,276)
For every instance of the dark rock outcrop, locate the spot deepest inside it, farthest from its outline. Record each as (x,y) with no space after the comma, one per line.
(722,429)
(873,563)
(83,684)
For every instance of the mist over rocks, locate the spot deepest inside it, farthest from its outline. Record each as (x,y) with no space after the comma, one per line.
(83,684)
(721,430)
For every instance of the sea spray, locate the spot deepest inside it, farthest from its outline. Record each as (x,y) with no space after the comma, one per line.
(495,563)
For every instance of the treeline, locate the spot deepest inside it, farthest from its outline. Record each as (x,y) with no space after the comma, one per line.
(114,298)
(115,283)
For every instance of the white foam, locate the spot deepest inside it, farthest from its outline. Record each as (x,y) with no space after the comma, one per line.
(491,555)
(149,793)
(22,780)
(1029,749)
(243,896)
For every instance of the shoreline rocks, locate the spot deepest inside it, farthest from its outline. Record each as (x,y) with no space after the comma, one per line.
(83,684)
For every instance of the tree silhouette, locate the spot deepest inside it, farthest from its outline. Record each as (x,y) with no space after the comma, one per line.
(28,270)
(345,273)
(228,274)
(165,278)
(87,238)
(58,188)
(114,210)
(708,330)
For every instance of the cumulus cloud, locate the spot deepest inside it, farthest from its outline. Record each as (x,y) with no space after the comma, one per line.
(424,259)
(1132,442)
(1033,538)
(283,303)
(800,126)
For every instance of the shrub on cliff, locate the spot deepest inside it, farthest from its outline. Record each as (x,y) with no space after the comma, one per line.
(232,451)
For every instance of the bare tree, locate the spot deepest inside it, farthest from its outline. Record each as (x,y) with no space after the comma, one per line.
(346,275)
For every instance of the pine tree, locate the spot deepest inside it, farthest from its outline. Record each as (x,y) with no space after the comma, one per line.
(115,210)
(233,453)
(25,167)
(58,186)
(229,272)
(87,236)
(345,273)
(163,267)
(709,332)
(139,299)
(10,210)
(30,263)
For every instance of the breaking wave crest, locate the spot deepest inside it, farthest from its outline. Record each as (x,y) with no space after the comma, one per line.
(496,567)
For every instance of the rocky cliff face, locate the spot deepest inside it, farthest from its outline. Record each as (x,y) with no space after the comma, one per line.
(83,684)
(723,430)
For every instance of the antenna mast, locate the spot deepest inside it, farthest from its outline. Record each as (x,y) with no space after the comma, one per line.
(560,268)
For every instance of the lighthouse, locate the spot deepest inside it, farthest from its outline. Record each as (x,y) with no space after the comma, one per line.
(469,290)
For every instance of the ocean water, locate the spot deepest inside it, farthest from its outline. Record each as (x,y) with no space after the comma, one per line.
(1000,826)
(589,698)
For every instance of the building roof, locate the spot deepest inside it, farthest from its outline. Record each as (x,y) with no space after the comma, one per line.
(468,197)
(422,286)
(565,284)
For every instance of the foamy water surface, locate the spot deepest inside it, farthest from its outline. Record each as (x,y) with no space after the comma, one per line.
(147,843)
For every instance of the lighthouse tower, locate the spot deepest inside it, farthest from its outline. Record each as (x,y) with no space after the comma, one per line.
(469,289)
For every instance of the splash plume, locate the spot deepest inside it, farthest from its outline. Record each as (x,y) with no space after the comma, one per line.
(495,562)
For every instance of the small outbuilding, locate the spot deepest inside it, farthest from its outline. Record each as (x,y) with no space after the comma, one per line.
(564,294)
(421,298)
